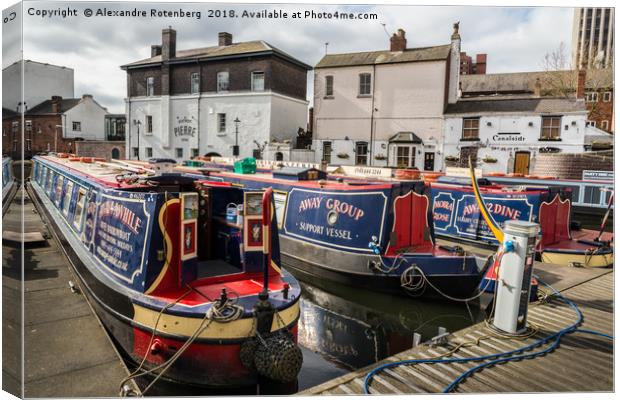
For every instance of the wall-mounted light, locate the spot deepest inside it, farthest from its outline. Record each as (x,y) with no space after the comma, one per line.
(530,123)
(573,123)
(489,123)
(346,138)
(565,127)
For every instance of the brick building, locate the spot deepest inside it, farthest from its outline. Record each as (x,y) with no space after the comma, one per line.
(469,67)
(53,125)
(598,89)
(182,103)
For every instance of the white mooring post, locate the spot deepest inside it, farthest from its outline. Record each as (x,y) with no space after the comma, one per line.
(515,276)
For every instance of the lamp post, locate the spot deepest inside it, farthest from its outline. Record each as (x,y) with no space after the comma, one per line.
(137,123)
(236,146)
(56,138)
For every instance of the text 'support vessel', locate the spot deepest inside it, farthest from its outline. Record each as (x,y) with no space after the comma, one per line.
(173,280)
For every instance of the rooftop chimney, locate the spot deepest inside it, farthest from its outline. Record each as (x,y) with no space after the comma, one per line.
(87,96)
(56,100)
(168,43)
(537,87)
(581,83)
(398,42)
(224,39)
(155,50)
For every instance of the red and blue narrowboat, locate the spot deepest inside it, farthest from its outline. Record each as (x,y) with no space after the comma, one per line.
(8,183)
(366,233)
(190,295)
(456,216)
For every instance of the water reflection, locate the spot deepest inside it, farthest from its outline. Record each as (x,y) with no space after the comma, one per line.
(354,328)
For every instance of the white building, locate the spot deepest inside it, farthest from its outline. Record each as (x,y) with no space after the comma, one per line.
(506,133)
(85,120)
(209,100)
(41,82)
(385,108)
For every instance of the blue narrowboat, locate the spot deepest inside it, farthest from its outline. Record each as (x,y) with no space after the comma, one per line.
(185,291)
(8,183)
(366,233)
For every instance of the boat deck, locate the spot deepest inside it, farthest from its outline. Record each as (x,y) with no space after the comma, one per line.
(87,365)
(581,363)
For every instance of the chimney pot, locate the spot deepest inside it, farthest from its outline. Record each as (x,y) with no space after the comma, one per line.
(581,84)
(87,96)
(168,43)
(224,39)
(398,41)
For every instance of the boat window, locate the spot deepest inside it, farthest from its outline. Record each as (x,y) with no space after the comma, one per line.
(592,195)
(279,200)
(67,200)
(48,184)
(575,190)
(79,208)
(43,176)
(58,192)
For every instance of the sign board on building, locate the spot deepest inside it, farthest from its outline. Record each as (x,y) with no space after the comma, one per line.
(592,175)
(363,171)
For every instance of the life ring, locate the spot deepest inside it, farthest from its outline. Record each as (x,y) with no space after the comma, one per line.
(74,158)
(62,155)
(532,176)
(100,159)
(496,174)
(516,175)
(87,160)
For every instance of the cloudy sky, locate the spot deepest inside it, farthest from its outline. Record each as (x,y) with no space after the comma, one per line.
(515,39)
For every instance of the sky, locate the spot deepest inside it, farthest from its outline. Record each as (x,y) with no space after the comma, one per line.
(515,39)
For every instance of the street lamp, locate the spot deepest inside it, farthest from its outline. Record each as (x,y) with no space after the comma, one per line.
(137,123)
(236,146)
(56,138)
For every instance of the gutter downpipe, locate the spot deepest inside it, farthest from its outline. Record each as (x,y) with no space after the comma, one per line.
(372,114)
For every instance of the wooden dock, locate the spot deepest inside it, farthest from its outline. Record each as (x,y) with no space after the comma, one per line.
(582,362)
(67,353)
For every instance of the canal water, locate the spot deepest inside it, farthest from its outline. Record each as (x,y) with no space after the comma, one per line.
(343,328)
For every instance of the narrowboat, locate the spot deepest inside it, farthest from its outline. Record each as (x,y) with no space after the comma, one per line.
(190,295)
(456,216)
(8,183)
(372,234)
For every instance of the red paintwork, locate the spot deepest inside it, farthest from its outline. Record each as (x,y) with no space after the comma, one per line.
(260,177)
(207,363)
(554,221)
(172,221)
(410,225)
(493,189)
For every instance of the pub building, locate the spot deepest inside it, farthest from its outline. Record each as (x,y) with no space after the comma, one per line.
(229,99)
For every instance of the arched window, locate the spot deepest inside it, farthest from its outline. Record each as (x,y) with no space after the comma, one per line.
(116,154)
(279,156)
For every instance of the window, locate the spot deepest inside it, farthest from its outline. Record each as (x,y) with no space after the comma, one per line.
(149,124)
(77,126)
(150,86)
(222,81)
(195,83)
(135,151)
(329,86)
(550,128)
(470,128)
(28,126)
(221,123)
(364,85)
(605,125)
(327,152)
(591,97)
(148,152)
(79,208)
(607,97)
(402,156)
(258,81)
(361,153)
(116,154)
(194,152)
(591,123)
(28,145)
(15,127)
(58,191)
(179,152)
(67,200)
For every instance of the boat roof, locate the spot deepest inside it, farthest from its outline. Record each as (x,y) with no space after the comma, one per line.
(100,171)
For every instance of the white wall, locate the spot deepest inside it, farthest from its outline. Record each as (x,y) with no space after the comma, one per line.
(525,138)
(41,82)
(408,97)
(91,117)
(264,117)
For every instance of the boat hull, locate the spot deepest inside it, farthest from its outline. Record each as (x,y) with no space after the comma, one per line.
(209,362)
(562,257)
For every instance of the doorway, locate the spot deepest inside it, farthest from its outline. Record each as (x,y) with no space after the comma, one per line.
(522,162)
(429,161)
